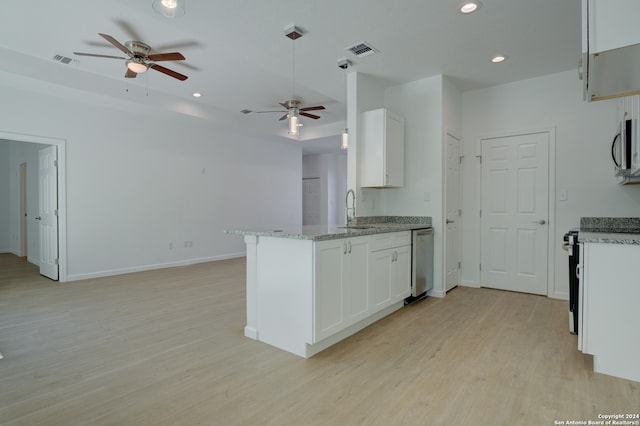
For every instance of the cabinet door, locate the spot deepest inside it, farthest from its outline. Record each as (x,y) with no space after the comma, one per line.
(401,284)
(394,151)
(329,288)
(380,279)
(382,149)
(356,279)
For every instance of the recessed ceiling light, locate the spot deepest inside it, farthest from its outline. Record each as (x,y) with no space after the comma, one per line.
(196,94)
(498,58)
(469,6)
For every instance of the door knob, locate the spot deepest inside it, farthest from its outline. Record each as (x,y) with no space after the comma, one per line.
(38,218)
(448,221)
(539,222)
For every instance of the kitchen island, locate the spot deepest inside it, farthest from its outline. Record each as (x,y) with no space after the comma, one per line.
(310,287)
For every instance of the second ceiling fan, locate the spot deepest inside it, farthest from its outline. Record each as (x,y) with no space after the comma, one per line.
(292,107)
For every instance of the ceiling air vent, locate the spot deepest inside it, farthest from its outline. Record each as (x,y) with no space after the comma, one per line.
(62,59)
(362,49)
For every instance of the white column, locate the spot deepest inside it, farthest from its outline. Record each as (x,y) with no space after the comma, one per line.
(251,329)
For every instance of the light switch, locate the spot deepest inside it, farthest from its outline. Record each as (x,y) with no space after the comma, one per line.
(427,196)
(564,196)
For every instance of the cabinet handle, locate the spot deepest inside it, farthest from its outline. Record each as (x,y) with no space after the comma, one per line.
(344,248)
(349,247)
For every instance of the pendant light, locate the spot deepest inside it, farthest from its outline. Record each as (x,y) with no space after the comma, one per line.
(344,64)
(293,33)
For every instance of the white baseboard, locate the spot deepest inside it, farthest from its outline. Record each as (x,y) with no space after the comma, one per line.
(110,272)
(469,283)
(9,251)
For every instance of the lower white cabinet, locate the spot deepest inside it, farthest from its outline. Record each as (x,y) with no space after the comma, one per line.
(304,296)
(341,285)
(611,292)
(390,271)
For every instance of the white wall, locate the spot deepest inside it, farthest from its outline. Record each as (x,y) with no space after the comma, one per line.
(137,182)
(331,169)
(583,166)
(429,107)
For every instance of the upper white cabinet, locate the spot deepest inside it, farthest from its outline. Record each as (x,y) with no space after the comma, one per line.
(611,48)
(381,149)
(609,24)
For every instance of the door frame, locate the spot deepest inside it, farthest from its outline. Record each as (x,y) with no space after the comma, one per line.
(551,228)
(24,242)
(454,135)
(62,191)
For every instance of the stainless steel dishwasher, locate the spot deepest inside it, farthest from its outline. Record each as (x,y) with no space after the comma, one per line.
(421,264)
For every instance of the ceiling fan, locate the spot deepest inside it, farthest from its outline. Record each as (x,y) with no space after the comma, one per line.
(139,59)
(291,107)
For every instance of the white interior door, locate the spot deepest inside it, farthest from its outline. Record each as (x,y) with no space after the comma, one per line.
(311,201)
(48,211)
(515,212)
(452,213)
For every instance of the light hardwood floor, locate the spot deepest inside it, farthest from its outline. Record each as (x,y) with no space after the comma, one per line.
(166,347)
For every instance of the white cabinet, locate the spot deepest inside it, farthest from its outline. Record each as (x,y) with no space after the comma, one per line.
(341,285)
(609,24)
(611,48)
(304,296)
(390,273)
(381,149)
(610,294)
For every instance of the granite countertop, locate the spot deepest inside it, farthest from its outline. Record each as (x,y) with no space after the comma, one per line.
(363,226)
(611,230)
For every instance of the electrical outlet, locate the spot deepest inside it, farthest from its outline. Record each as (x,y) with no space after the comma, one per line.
(171,245)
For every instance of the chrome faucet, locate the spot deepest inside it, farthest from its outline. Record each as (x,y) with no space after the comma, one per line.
(353,206)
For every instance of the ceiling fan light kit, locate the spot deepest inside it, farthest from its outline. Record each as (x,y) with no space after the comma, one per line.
(136,66)
(169,8)
(139,59)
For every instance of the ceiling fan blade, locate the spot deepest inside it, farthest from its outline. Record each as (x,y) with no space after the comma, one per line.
(116,43)
(98,56)
(129,29)
(313,108)
(262,112)
(173,56)
(284,117)
(130,74)
(168,72)
(306,114)
(285,106)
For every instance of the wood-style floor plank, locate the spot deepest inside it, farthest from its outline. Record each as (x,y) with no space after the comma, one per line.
(166,347)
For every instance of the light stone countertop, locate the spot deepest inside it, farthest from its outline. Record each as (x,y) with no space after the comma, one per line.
(609,238)
(364,226)
(610,230)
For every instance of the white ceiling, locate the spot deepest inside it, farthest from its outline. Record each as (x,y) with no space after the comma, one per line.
(238,57)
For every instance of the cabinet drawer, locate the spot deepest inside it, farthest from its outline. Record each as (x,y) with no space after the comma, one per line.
(391,240)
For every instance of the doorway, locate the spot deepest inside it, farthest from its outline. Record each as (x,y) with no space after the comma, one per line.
(24,235)
(516,210)
(452,212)
(16,224)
